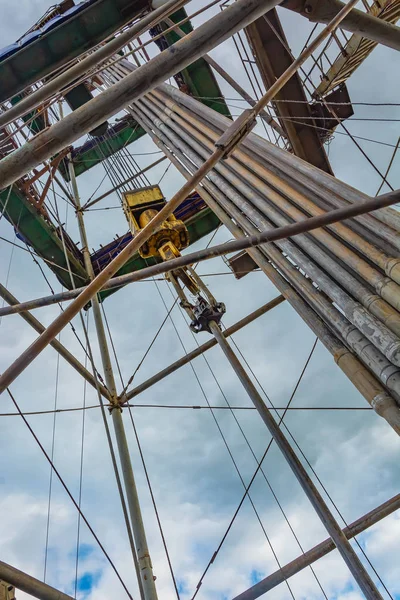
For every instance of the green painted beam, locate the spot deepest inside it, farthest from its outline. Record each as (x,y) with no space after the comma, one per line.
(65,42)
(42,236)
(83,161)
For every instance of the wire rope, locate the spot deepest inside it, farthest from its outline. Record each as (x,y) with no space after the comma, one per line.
(61,480)
(53,440)
(78,532)
(210,562)
(163,538)
(186,406)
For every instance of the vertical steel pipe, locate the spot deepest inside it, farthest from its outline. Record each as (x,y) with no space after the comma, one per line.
(341,542)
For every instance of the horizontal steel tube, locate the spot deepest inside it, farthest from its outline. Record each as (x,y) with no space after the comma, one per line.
(322,549)
(30,585)
(279,233)
(62,350)
(108,103)
(201,349)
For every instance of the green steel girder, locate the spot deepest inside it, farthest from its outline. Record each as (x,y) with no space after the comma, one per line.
(42,236)
(65,42)
(90,158)
(36,125)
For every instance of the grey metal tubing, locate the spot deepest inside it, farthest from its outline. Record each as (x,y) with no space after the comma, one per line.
(379,334)
(201,349)
(341,542)
(387,289)
(108,103)
(62,350)
(365,382)
(262,179)
(322,549)
(381,367)
(30,585)
(389,239)
(101,54)
(383,287)
(283,161)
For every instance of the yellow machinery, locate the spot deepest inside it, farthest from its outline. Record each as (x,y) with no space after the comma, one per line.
(7,591)
(140,207)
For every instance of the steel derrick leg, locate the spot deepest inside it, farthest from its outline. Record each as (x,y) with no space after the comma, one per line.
(341,542)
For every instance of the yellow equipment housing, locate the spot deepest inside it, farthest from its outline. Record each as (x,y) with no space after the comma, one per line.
(140,206)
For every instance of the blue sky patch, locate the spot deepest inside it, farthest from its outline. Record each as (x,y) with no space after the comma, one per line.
(87,581)
(255,576)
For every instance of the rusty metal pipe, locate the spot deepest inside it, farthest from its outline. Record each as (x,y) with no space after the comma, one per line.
(379,334)
(364,381)
(30,585)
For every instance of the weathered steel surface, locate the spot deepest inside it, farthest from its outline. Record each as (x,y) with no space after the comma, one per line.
(357,49)
(295,118)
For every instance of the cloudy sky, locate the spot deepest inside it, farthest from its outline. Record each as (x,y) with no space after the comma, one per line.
(195,483)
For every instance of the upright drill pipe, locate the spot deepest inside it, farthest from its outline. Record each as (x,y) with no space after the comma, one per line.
(341,542)
(142,561)
(244,214)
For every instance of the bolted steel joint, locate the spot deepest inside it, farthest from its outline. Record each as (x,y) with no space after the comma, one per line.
(204,313)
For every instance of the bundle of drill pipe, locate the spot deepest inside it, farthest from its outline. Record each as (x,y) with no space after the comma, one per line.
(343,280)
